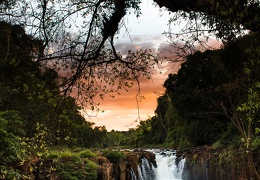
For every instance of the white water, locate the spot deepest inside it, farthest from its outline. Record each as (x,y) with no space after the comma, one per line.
(146,170)
(167,168)
(133,174)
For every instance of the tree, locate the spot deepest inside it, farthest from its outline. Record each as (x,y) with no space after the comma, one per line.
(115,138)
(31,90)
(12,147)
(219,88)
(191,92)
(247,120)
(89,56)
(219,14)
(206,20)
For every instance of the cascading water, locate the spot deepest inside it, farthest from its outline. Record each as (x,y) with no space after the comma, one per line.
(132,174)
(168,167)
(146,170)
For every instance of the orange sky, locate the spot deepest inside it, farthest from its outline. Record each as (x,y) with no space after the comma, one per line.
(121,112)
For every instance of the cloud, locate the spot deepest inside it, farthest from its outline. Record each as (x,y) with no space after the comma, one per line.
(137,42)
(121,119)
(121,112)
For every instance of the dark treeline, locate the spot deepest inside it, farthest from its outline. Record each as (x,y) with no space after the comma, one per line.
(213,98)
(33,114)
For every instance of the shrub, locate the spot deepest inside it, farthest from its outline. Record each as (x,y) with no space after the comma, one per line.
(217,145)
(255,143)
(49,155)
(70,169)
(9,173)
(71,165)
(11,149)
(91,169)
(75,168)
(113,156)
(86,154)
(68,155)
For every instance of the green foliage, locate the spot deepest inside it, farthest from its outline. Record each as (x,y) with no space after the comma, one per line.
(91,168)
(74,168)
(113,156)
(130,138)
(9,173)
(11,149)
(68,155)
(50,155)
(202,87)
(34,116)
(255,144)
(249,113)
(38,142)
(70,164)
(217,145)
(198,105)
(115,138)
(48,118)
(87,154)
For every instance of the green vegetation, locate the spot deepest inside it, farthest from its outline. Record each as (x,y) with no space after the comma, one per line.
(113,156)
(12,150)
(212,99)
(86,154)
(70,165)
(33,115)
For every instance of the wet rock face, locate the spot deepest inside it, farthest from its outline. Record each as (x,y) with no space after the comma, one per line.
(217,164)
(133,161)
(150,157)
(105,169)
(136,156)
(124,169)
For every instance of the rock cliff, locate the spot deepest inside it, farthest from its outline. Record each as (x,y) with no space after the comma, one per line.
(206,163)
(126,168)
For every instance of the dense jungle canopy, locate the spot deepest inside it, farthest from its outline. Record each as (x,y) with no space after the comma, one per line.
(45,56)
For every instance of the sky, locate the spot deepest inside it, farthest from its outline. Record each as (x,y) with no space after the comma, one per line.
(146,32)
(121,113)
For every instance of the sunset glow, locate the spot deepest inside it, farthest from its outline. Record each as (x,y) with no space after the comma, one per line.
(146,32)
(121,112)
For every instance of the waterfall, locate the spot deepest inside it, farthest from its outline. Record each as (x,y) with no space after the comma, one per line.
(132,174)
(169,167)
(146,170)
